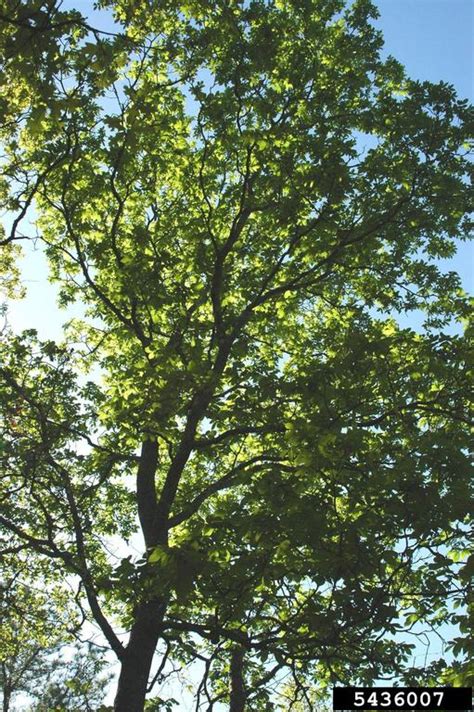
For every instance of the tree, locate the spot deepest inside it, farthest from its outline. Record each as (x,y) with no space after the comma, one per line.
(245,196)
(75,685)
(38,658)
(21,641)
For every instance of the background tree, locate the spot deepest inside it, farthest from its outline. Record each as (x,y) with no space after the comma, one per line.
(243,195)
(75,684)
(39,658)
(23,639)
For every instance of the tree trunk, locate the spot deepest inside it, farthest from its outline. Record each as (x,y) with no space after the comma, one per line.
(237,684)
(6,699)
(136,665)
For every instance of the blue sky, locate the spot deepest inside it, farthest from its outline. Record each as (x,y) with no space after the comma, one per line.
(432,38)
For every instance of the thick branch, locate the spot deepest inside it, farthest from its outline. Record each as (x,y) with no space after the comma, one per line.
(197,411)
(146,492)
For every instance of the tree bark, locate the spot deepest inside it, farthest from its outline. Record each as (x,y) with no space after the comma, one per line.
(6,699)
(138,658)
(237,684)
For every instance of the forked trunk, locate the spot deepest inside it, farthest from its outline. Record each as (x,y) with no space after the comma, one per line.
(136,665)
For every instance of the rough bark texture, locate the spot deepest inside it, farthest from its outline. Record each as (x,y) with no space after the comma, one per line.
(237,684)
(136,664)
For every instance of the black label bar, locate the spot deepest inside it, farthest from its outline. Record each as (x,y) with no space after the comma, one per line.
(402,698)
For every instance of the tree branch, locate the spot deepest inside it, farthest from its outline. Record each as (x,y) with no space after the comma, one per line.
(146,491)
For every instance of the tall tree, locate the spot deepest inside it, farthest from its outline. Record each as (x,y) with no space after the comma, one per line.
(244,195)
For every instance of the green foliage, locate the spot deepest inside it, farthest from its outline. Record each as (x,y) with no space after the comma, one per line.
(75,685)
(159,705)
(38,657)
(246,197)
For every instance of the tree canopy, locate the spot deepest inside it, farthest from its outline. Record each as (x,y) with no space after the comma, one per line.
(248,200)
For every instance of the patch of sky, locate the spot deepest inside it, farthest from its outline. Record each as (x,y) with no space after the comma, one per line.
(39,308)
(101,19)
